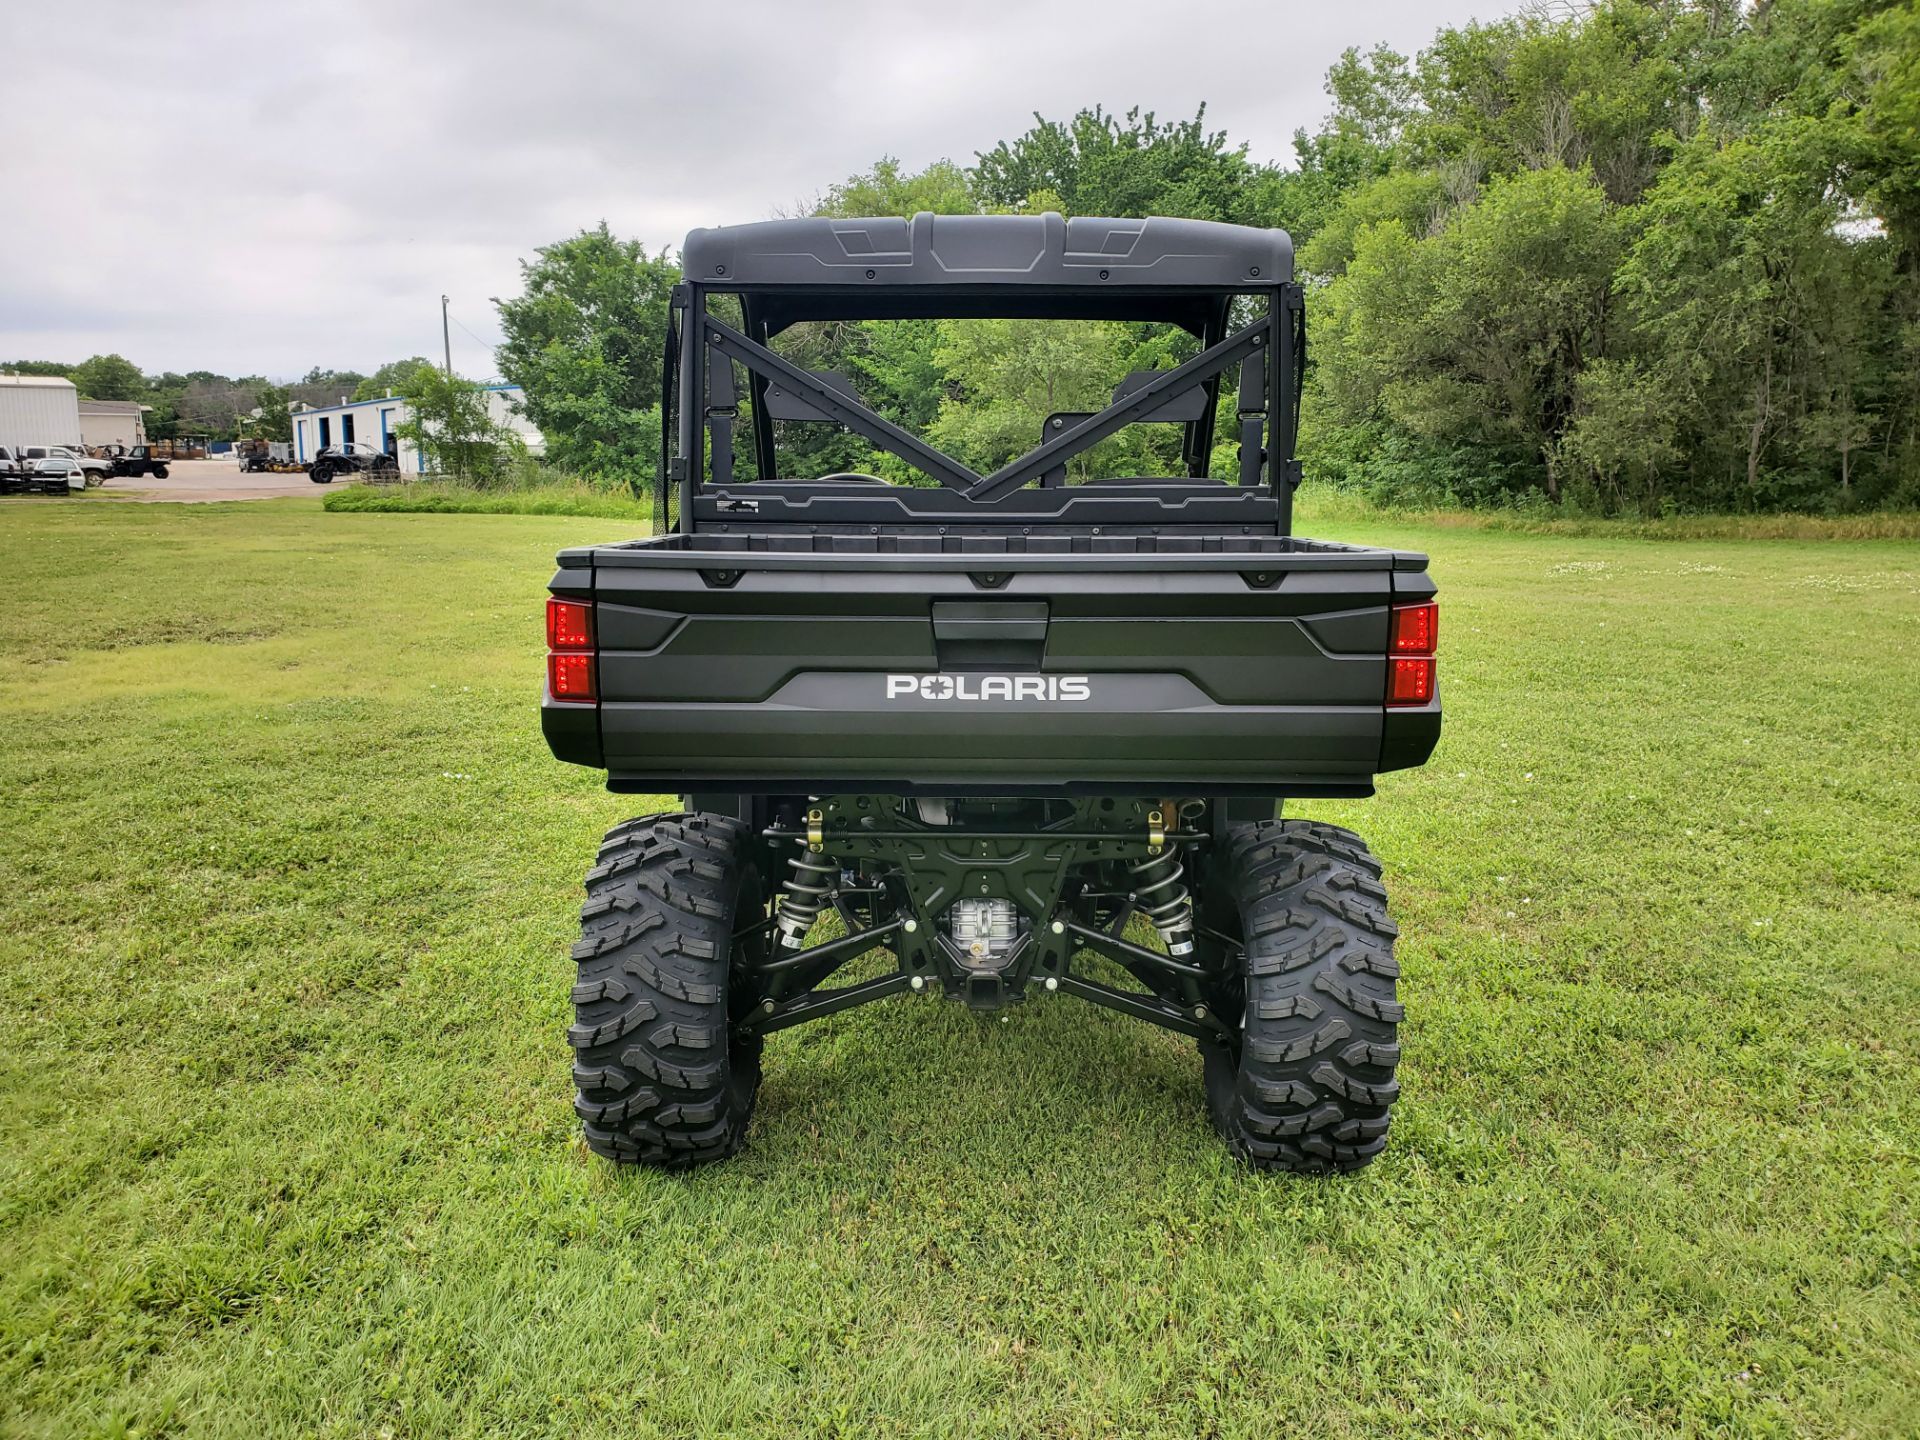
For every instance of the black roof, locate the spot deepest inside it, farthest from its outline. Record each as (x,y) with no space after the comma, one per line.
(996,251)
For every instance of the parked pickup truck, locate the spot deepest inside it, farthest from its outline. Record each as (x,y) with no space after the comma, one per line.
(13,471)
(96,471)
(995,725)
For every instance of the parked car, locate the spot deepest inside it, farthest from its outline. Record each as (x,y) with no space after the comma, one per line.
(96,471)
(347,460)
(140,460)
(57,475)
(13,472)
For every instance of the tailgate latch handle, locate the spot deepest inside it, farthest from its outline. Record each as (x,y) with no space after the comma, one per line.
(990,633)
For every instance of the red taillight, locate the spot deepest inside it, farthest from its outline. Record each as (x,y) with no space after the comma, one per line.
(1412,633)
(570,654)
(570,676)
(1409,679)
(1415,629)
(569,624)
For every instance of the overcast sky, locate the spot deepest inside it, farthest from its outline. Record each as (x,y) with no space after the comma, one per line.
(255,188)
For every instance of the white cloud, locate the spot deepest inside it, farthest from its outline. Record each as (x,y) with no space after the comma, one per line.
(262,188)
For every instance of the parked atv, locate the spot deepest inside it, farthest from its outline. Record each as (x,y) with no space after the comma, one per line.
(988,727)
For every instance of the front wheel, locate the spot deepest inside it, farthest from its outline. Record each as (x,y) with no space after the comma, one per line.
(664,1077)
(1308,1082)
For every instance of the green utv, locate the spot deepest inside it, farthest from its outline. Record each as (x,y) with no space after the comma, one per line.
(1013,735)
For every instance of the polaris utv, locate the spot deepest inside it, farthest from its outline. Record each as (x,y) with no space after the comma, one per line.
(987,736)
(140,460)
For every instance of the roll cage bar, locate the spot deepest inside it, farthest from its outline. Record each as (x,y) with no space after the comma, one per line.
(1187,273)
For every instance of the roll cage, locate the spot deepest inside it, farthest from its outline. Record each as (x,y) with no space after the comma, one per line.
(1187,273)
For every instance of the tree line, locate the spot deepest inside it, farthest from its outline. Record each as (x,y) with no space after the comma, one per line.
(205,404)
(1640,255)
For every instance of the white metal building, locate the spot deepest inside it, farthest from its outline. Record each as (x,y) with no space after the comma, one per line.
(374,422)
(38,410)
(113,422)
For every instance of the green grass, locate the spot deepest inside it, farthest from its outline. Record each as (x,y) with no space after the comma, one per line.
(287,881)
(1321,511)
(1325,510)
(435,497)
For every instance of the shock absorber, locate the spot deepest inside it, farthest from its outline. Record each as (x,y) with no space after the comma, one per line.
(805,894)
(1160,892)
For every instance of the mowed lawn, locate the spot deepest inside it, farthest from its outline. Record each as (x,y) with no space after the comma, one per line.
(287,880)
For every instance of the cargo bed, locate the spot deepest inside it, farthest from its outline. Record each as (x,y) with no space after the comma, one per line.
(987,663)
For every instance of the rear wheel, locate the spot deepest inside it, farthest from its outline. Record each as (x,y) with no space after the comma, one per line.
(159,472)
(1308,1083)
(663,1077)
(321,475)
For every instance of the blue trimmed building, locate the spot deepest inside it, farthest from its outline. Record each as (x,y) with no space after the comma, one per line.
(376,422)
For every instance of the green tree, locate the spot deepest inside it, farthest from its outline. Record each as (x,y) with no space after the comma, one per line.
(273,419)
(109,377)
(1731,316)
(1599,92)
(1008,376)
(391,378)
(1882,64)
(584,340)
(1760,316)
(1359,141)
(1477,336)
(886,190)
(1416,200)
(333,379)
(1621,442)
(1132,165)
(448,419)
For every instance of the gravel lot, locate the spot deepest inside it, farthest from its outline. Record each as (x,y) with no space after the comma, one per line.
(196,481)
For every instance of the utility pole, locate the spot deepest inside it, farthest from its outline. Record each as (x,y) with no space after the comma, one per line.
(446,339)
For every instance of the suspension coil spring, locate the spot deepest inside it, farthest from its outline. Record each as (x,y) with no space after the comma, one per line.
(1160,893)
(805,895)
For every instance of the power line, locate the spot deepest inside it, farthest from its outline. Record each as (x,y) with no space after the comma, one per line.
(475,338)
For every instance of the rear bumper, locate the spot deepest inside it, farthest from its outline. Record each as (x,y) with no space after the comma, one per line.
(843,739)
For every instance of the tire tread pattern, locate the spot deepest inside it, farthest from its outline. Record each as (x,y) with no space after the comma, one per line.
(662,1080)
(1311,1083)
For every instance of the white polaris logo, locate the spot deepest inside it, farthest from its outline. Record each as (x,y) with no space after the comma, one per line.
(1013,688)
